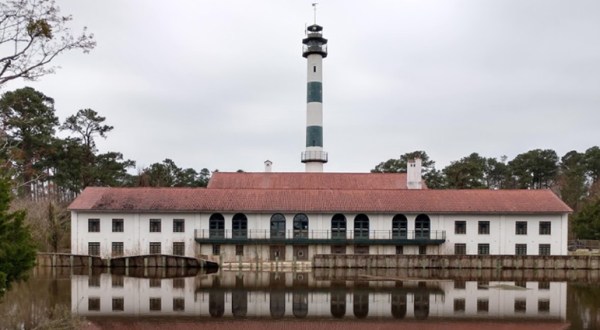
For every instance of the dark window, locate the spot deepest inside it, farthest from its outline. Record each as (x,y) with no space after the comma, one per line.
(545,228)
(277,225)
(179,283)
(94,281)
(117,249)
(399,226)
(361,227)
(155,282)
(338,226)
(543,306)
(178,304)
(460,248)
(460,227)
(484,227)
(361,249)
(178,225)
(422,249)
(314,68)
(155,225)
(94,248)
(117,225)
(94,225)
(179,248)
(216,249)
(543,285)
(216,225)
(300,304)
(521,249)
(117,281)
(93,304)
(399,249)
(483,305)
(544,249)
(459,305)
(239,250)
(338,249)
(155,304)
(459,285)
(239,226)
(520,305)
(422,227)
(483,249)
(361,304)
(154,247)
(118,304)
(521,228)
(300,226)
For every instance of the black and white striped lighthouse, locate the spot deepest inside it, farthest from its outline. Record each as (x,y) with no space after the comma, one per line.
(314,50)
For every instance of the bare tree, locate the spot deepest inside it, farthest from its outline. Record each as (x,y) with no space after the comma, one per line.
(32,34)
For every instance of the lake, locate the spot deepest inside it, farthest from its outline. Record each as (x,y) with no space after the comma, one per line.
(324,298)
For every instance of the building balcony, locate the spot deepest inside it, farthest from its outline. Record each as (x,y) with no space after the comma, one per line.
(324,237)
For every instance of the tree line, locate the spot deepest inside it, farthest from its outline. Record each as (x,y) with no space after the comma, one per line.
(574,177)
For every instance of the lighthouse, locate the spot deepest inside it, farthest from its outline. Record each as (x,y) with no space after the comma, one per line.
(314,50)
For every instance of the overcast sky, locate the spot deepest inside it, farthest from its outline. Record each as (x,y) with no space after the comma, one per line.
(222,84)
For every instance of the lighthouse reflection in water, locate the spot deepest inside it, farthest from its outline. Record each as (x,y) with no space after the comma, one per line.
(306,295)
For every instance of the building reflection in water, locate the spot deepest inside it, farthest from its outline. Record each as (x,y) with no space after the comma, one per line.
(300,295)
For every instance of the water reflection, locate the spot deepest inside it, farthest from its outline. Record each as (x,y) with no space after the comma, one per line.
(301,295)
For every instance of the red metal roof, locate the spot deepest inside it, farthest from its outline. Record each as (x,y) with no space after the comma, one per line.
(318,200)
(301,180)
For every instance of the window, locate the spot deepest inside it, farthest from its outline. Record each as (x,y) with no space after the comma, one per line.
(483,249)
(239,224)
(521,228)
(520,305)
(117,225)
(361,249)
(338,249)
(178,225)
(459,285)
(216,225)
(117,249)
(154,282)
(544,249)
(118,304)
(338,226)
(179,248)
(545,228)
(154,247)
(239,250)
(94,281)
(178,304)
(314,68)
(155,304)
(117,281)
(94,225)
(278,226)
(399,226)
(155,225)
(543,285)
(300,226)
(361,227)
(460,249)
(422,249)
(521,249)
(459,305)
(422,226)
(93,304)
(483,305)
(94,248)
(460,227)
(216,249)
(484,227)
(399,249)
(179,283)
(543,306)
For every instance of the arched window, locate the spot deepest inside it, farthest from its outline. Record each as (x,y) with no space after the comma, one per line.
(422,226)
(216,225)
(399,305)
(361,227)
(277,226)
(300,304)
(300,226)
(338,303)
(338,226)
(277,304)
(421,307)
(239,226)
(399,227)
(361,304)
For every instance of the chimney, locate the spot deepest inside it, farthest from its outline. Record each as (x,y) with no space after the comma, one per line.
(268,165)
(413,174)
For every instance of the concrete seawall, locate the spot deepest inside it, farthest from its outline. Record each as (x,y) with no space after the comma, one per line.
(455,262)
(141,261)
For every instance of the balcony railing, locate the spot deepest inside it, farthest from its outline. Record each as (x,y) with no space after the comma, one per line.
(338,236)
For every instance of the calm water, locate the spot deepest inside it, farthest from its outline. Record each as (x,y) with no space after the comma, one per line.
(321,299)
